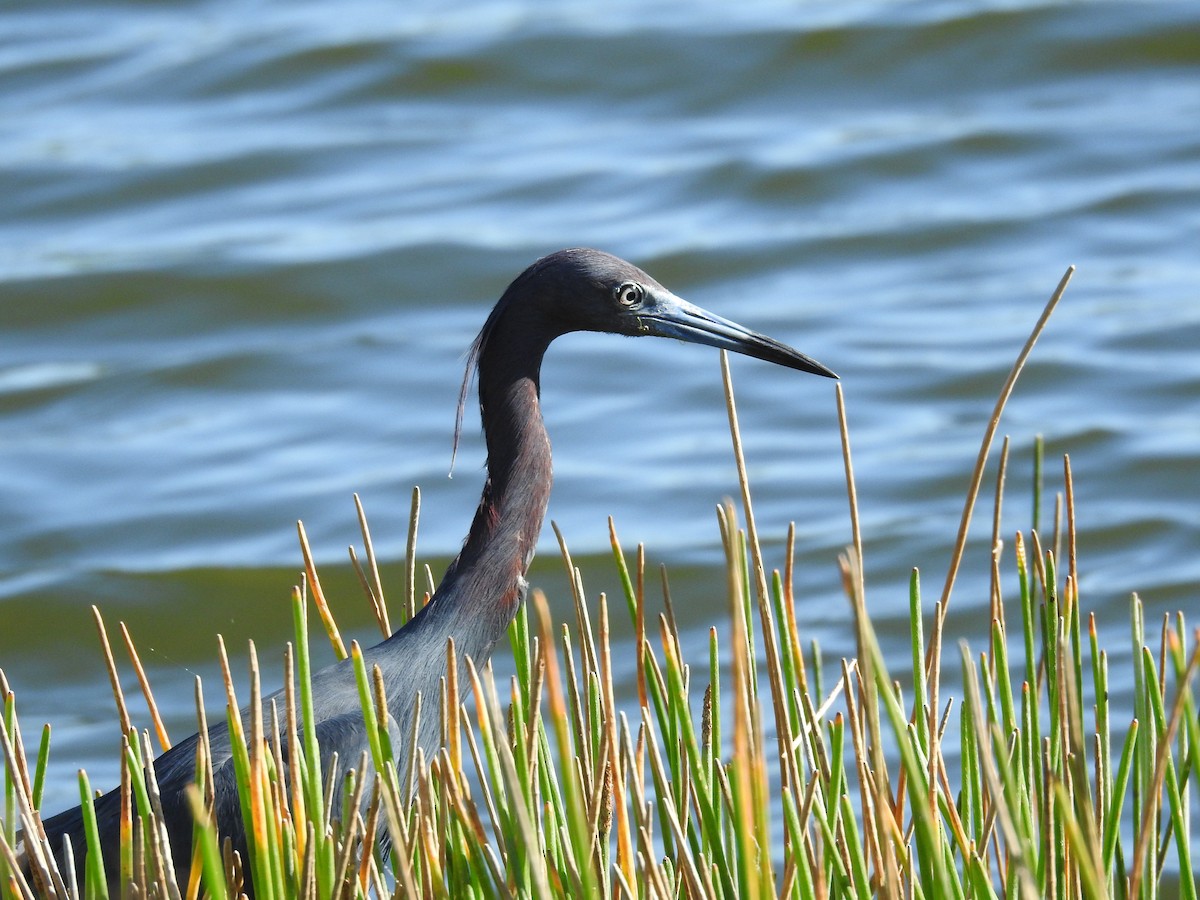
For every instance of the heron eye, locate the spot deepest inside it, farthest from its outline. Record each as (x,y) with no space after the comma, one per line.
(629,294)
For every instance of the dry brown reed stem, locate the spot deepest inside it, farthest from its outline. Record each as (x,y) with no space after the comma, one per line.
(770,647)
(788,774)
(160,845)
(370,827)
(351,819)
(365,584)
(851,487)
(625,860)
(113,678)
(468,728)
(1058,530)
(735,433)
(125,824)
(236,725)
(933,652)
(535,700)
(310,573)
(430,582)
(410,558)
(1038,561)
(468,812)
(160,729)
(877,833)
(582,618)
(1069,487)
(1088,851)
(997,604)
(956,557)
(668,613)
(868,796)
(401,836)
(10,858)
(746,743)
(292,723)
(789,607)
(374,589)
(573,694)
(259,784)
(450,734)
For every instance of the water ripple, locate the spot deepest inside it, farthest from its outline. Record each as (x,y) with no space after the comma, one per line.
(241,256)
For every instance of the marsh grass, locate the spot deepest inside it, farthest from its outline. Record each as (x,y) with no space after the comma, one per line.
(758,770)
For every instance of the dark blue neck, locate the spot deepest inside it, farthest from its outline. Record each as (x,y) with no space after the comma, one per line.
(483,588)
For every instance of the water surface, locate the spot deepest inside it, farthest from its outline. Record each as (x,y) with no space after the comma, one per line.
(244,248)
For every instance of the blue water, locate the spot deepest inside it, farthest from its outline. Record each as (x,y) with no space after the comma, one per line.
(244,247)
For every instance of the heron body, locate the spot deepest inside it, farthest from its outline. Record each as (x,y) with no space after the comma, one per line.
(481,591)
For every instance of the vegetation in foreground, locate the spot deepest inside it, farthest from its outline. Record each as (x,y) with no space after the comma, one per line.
(760,771)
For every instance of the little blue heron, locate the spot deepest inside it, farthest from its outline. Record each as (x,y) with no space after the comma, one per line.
(572,290)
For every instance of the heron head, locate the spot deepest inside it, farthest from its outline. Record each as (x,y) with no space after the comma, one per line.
(588,290)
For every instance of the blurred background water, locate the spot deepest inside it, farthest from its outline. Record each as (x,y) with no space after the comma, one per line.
(244,247)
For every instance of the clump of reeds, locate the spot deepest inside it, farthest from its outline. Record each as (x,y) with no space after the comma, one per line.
(759,771)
